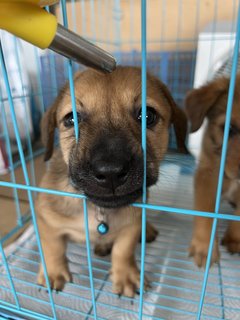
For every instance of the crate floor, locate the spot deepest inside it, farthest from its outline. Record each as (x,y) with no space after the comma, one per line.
(175,282)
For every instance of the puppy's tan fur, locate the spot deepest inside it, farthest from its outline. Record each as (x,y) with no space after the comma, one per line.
(108,101)
(210,102)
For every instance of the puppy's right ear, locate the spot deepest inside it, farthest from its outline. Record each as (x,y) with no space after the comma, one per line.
(48,126)
(200,101)
(178,119)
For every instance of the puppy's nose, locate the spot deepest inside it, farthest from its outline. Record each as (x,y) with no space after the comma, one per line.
(109,174)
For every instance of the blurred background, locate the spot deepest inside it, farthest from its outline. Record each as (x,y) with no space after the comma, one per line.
(188,43)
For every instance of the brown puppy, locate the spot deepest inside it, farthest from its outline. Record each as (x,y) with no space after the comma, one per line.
(210,101)
(106,164)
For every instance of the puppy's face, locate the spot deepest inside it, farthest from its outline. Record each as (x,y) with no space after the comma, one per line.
(106,163)
(211,101)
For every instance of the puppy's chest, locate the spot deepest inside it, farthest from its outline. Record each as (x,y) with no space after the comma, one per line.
(75,227)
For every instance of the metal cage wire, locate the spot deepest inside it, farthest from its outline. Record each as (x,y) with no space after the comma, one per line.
(15,304)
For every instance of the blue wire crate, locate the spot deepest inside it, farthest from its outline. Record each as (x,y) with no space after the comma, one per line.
(178,290)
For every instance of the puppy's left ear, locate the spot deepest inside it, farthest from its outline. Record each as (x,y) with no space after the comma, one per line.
(179,121)
(48,126)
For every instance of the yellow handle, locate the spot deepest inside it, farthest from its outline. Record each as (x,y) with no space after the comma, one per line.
(40,3)
(28,21)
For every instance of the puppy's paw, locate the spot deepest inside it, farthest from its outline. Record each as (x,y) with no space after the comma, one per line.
(199,251)
(126,281)
(103,250)
(232,242)
(57,278)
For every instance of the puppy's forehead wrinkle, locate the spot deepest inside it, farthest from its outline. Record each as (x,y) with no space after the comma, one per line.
(110,89)
(106,93)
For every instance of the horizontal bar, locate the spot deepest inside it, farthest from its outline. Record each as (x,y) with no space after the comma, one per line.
(47,302)
(153,283)
(162,296)
(28,158)
(155,273)
(158,274)
(157,41)
(152,207)
(24,312)
(102,304)
(108,263)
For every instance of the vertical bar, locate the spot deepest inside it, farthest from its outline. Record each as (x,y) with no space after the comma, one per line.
(25,173)
(221,286)
(197,19)
(233,19)
(213,36)
(117,17)
(162,37)
(108,34)
(65,60)
(84,201)
(228,113)
(132,30)
(5,263)
(144,93)
(70,76)
(89,257)
(223,159)
(73,7)
(74,19)
(74,26)
(176,79)
(144,144)
(26,118)
(93,29)
(53,74)
(101,19)
(163,20)
(11,167)
(164,67)
(83,17)
(39,91)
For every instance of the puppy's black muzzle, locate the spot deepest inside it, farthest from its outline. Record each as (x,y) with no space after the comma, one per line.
(110,163)
(112,176)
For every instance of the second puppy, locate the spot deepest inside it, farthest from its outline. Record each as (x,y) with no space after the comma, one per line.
(210,101)
(106,164)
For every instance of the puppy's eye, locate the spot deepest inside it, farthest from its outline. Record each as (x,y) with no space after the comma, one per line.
(68,120)
(233,131)
(151,116)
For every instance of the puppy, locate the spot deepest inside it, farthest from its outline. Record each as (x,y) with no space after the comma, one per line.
(105,164)
(210,101)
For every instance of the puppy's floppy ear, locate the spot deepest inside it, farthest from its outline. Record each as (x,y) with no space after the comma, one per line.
(179,121)
(200,101)
(48,125)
